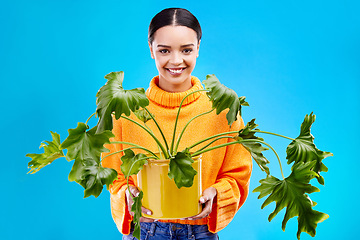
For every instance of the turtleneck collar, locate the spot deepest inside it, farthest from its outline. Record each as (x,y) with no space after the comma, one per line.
(169,99)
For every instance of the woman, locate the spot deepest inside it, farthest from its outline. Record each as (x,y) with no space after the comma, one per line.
(174,41)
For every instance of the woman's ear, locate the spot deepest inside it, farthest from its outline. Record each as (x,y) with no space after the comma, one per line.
(198,46)
(151,51)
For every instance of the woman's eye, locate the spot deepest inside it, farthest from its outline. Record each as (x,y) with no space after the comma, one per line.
(187,51)
(164,51)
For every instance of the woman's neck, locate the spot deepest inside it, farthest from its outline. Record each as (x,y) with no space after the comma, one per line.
(172,99)
(175,87)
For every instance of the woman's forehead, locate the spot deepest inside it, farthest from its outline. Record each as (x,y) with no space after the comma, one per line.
(175,35)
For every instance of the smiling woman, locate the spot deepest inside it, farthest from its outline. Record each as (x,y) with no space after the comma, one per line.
(175,49)
(174,41)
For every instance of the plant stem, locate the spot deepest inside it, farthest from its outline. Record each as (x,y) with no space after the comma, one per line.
(128,174)
(182,132)
(237,142)
(262,142)
(89,118)
(177,117)
(156,145)
(138,147)
(213,142)
(274,134)
(151,134)
(162,134)
(212,148)
(113,153)
(207,139)
(277,156)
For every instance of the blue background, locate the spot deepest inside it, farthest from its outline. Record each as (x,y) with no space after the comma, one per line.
(288,58)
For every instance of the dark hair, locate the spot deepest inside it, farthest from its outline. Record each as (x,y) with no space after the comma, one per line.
(174,17)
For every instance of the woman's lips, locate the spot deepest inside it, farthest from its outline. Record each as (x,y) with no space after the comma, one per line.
(175,71)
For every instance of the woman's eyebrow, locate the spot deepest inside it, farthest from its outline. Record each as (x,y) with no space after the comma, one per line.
(160,45)
(186,45)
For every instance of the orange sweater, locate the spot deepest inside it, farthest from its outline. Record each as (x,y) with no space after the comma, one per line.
(227,169)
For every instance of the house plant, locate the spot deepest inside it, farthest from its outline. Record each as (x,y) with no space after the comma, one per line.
(85,145)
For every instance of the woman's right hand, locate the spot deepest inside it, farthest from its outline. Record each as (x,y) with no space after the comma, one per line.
(135,192)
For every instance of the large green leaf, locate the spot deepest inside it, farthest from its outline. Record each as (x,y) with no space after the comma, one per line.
(113,98)
(92,176)
(131,163)
(136,209)
(255,148)
(303,149)
(52,151)
(181,170)
(291,193)
(83,144)
(223,97)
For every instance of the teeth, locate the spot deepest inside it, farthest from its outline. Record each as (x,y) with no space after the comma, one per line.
(175,71)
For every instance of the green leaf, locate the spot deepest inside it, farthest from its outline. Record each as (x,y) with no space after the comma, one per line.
(131,163)
(223,97)
(242,103)
(290,193)
(76,173)
(113,98)
(254,148)
(303,149)
(83,144)
(136,209)
(143,115)
(247,132)
(181,170)
(52,151)
(92,176)
(95,177)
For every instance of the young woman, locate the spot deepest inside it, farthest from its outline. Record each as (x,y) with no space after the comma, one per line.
(174,41)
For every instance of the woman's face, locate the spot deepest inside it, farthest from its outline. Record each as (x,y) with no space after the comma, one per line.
(175,49)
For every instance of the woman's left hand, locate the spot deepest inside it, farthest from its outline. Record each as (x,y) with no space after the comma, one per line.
(207,199)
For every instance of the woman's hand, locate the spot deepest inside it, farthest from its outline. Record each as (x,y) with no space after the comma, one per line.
(207,198)
(135,192)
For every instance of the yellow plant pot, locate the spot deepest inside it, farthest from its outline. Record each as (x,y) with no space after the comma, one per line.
(163,197)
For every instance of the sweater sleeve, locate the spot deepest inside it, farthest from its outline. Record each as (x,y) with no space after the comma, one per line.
(119,209)
(232,184)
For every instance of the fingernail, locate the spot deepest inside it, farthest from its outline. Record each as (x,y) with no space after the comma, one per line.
(148,213)
(202,200)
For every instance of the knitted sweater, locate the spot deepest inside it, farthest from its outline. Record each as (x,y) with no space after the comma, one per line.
(227,169)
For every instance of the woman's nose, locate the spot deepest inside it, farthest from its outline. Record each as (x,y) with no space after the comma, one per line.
(176,58)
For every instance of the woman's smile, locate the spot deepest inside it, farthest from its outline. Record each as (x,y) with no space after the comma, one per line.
(175,71)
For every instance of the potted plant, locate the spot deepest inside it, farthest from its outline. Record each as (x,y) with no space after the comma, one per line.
(84,145)
(163,196)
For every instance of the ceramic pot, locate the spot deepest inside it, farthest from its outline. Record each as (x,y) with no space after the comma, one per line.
(163,197)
